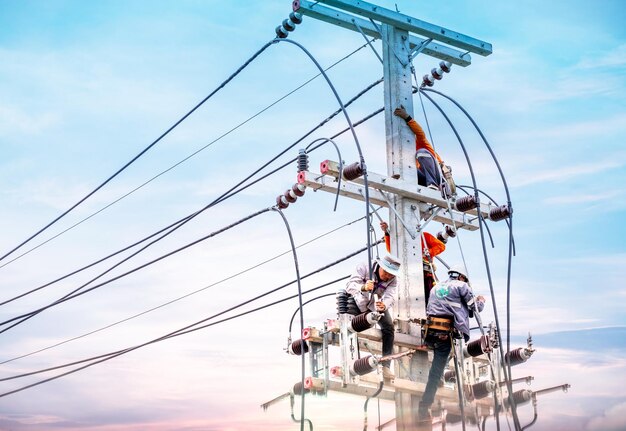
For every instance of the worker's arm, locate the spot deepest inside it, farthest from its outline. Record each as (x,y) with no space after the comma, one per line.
(420,136)
(385,227)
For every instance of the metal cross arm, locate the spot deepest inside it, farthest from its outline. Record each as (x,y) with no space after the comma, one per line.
(352,22)
(328,183)
(403,188)
(412,25)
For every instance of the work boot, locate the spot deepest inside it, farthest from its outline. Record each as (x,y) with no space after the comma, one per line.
(387,374)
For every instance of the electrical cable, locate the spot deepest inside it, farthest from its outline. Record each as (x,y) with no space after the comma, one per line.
(356,141)
(323,268)
(225,196)
(77,292)
(297,267)
(324,141)
(486,226)
(463,187)
(367,400)
(142,152)
(182,331)
(310,300)
(481,230)
(194,154)
(180,297)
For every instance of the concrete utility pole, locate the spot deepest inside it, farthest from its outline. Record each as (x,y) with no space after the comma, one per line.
(397,32)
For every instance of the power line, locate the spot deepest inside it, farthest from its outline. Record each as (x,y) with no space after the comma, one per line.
(180,297)
(191,155)
(183,118)
(231,192)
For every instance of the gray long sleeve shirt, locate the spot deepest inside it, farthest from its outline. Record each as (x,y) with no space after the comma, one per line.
(451,298)
(365,300)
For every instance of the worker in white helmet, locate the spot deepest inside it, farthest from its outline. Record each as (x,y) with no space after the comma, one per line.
(448,310)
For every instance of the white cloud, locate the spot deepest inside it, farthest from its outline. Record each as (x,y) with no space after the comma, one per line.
(614,419)
(614,58)
(565,172)
(581,199)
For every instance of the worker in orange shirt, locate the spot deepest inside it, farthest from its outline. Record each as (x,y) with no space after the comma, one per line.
(427,161)
(431,248)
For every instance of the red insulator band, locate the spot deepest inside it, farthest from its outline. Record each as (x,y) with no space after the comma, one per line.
(516,357)
(360,323)
(297,389)
(324,167)
(363,366)
(298,189)
(482,389)
(289,196)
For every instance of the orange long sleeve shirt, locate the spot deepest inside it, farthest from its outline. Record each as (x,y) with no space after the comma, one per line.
(421,141)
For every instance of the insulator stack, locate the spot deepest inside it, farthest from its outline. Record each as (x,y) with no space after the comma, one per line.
(298,389)
(295,348)
(483,389)
(353,171)
(465,203)
(436,73)
(303,160)
(290,196)
(342,302)
(478,347)
(520,397)
(499,213)
(449,376)
(517,356)
(364,321)
(363,366)
(288,25)
(428,80)
(448,232)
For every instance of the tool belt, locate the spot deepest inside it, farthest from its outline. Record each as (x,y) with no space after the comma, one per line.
(439,324)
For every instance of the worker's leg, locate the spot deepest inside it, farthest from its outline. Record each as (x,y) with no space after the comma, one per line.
(441,349)
(387,329)
(428,173)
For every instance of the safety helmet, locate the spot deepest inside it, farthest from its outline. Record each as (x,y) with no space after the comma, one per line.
(458,269)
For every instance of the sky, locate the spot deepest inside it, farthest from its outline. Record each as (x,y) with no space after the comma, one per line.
(86,86)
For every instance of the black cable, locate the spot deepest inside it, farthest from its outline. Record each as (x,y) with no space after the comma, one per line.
(196,152)
(222,198)
(77,292)
(323,268)
(486,226)
(511,244)
(356,141)
(367,400)
(310,300)
(186,330)
(178,298)
(481,222)
(183,118)
(325,141)
(295,262)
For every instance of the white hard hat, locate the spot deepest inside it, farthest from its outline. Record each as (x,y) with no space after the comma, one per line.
(458,269)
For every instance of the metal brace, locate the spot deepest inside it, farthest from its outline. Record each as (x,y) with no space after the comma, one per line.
(367,40)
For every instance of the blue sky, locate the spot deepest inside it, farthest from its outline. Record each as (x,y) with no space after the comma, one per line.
(85,86)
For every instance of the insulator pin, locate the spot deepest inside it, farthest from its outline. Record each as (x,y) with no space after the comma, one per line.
(281,202)
(363,366)
(448,232)
(517,356)
(281,32)
(483,389)
(353,171)
(478,347)
(295,17)
(298,189)
(445,66)
(298,389)
(364,321)
(289,25)
(520,397)
(303,160)
(449,376)
(295,348)
(437,73)
(427,80)
(500,213)
(465,203)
